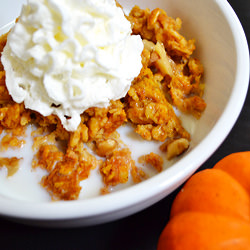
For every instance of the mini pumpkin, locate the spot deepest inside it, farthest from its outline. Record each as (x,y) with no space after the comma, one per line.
(212,210)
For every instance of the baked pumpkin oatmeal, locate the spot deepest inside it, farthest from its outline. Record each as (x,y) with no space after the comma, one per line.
(169,80)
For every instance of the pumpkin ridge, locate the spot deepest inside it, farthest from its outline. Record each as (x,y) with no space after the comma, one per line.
(214,191)
(238,166)
(198,230)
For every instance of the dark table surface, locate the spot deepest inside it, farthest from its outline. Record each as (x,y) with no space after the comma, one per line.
(139,231)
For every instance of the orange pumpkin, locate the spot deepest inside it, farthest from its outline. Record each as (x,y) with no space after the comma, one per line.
(212,210)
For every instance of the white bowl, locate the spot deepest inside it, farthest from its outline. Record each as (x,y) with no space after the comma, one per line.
(222,48)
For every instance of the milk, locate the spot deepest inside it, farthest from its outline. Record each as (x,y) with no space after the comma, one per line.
(25,183)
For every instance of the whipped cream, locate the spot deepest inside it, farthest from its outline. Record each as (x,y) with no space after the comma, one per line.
(65,56)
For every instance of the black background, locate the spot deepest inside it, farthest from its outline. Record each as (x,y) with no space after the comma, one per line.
(139,231)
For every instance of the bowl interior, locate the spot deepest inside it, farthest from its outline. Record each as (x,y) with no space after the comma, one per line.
(222,48)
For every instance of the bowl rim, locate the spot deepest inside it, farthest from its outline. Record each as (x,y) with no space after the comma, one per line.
(136,195)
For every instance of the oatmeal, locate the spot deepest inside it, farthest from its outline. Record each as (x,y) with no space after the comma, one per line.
(12,164)
(170,79)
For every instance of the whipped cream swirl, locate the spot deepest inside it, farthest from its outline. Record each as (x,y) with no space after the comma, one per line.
(65,56)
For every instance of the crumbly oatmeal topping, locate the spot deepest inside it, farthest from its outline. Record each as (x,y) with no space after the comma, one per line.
(154,160)
(12,164)
(170,77)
